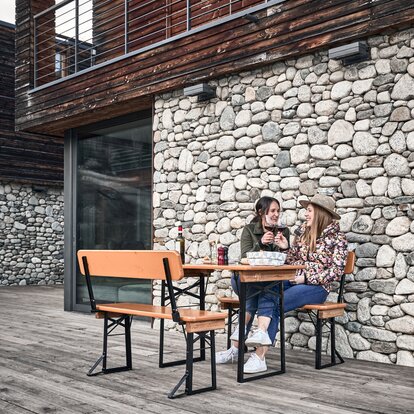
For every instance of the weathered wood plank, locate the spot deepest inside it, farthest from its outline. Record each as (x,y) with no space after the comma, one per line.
(45,353)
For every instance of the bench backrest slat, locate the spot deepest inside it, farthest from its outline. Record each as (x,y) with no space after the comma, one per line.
(349,268)
(350,263)
(137,264)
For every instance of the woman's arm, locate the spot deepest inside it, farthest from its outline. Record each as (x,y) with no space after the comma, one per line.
(248,242)
(292,254)
(281,241)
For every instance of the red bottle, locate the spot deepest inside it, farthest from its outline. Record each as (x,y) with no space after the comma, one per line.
(220,256)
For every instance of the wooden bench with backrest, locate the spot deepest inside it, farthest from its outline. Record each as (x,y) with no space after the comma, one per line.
(155,265)
(321,314)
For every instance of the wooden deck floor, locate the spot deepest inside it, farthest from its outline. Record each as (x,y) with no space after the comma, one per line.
(45,353)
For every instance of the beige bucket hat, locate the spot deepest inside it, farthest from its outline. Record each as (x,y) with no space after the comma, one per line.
(323,201)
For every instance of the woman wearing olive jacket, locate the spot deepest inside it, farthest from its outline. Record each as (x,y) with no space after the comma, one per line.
(255,238)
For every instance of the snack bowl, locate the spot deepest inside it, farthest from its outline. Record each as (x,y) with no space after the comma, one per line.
(267,256)
(265,262)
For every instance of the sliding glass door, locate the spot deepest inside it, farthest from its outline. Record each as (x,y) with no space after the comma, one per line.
(113,199)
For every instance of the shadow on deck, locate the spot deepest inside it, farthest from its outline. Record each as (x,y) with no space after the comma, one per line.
(46,352)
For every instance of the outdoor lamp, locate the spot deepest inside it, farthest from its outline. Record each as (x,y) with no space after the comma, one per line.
(351,53)
(203,90)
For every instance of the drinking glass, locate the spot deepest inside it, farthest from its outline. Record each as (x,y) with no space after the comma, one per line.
(270,225)
(281,224)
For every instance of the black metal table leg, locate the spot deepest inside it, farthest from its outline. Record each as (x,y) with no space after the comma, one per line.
(282,328)
(202,307)
(242,323)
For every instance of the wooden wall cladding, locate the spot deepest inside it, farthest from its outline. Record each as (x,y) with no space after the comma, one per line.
(292,28)
(24,157)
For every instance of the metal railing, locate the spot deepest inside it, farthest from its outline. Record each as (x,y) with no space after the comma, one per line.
(75,36)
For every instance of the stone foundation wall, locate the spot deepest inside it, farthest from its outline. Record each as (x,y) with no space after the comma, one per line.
(290,130)
(31,235)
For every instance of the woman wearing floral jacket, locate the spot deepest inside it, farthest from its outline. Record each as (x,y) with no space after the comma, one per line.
(322,249)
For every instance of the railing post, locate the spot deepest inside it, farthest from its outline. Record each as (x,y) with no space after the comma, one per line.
(125,26)
(188,15)
(35,52)
(76,34)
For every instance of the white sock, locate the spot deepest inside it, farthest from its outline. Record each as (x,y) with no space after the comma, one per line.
(235,349)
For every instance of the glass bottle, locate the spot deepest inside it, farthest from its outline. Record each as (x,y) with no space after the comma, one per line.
(213,249)
(180,243)
(226,255)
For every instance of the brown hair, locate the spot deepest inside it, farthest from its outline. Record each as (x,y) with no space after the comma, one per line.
(321,220)
(262,207)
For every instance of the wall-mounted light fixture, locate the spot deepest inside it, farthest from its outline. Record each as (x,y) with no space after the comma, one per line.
(203,90)
(351,53)
(39,188)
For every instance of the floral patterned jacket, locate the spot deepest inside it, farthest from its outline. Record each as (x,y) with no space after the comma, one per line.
(326,264)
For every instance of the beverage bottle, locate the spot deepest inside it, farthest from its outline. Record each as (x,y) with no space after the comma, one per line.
(226,255)
(220,255)
(180,243)
(213,248)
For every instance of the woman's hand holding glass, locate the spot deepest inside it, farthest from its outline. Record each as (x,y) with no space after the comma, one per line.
(269,224)
(280,239)
(268,238)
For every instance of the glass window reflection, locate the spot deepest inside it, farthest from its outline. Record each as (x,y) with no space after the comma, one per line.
(114,194)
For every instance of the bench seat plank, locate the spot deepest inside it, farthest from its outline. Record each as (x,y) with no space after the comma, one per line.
(324,306)
(234,301)
(162,312)
(229,303)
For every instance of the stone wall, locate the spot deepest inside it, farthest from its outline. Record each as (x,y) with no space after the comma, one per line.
(290,130)
(31,235)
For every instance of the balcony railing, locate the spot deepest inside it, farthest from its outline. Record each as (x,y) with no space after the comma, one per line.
(75,36)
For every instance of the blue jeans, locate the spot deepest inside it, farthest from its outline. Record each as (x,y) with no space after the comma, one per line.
(294,297)
(235,284)
(263,302)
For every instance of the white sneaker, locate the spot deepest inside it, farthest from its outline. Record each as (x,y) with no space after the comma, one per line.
(254,364)
(235,335)
(259,338)
(230,355)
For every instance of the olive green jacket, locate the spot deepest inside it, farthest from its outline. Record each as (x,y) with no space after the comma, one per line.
(251,236)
